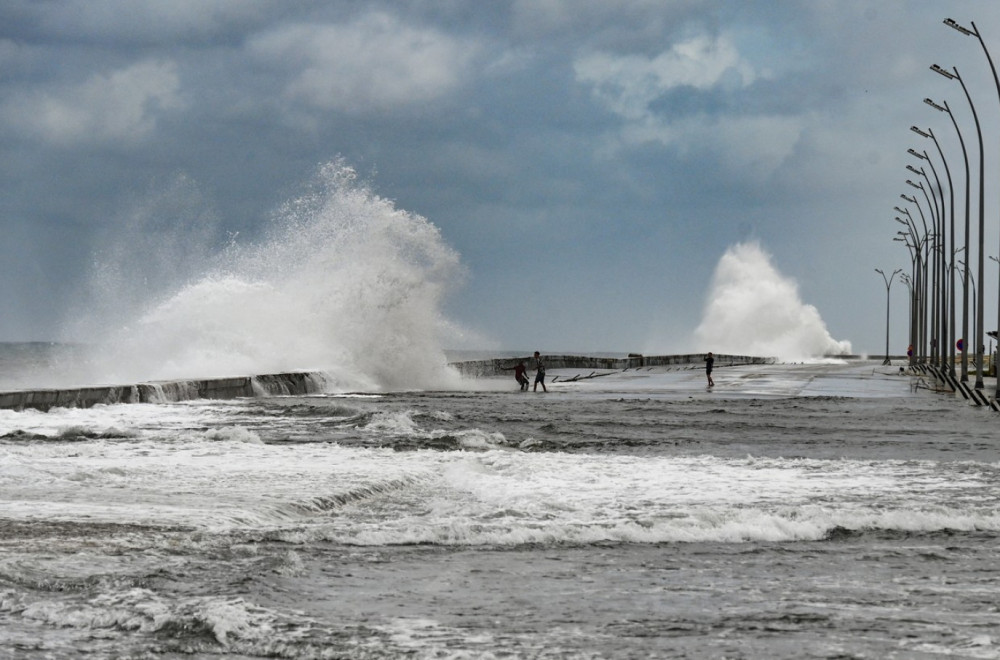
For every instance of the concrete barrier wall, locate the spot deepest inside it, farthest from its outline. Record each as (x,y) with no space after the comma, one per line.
(166,391)
(497,367)
(297,383)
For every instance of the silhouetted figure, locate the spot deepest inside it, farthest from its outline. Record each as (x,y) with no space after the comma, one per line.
(520,374)
(539,372)
(709,363)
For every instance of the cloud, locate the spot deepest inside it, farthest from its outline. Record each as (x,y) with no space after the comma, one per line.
(372,64)
(629,84)
(119,106)
(755,145)
(632,86)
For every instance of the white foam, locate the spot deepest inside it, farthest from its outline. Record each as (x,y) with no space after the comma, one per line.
(753,309)
(171,471)
(344,282)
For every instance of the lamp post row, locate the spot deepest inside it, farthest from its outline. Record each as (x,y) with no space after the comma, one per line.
(937,249)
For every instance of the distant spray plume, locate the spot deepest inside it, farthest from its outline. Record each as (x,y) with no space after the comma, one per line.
(343,282)
(754,310)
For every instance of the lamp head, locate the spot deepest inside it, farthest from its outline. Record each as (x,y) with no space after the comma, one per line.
(947,74)
(934,105)
(952,24)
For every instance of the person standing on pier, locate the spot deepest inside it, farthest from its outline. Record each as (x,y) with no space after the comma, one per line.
(539,372)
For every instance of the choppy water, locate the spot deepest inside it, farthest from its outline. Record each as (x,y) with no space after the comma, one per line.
(795,512)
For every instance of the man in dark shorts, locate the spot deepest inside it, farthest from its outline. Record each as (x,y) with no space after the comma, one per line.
(709,363)
(539,372)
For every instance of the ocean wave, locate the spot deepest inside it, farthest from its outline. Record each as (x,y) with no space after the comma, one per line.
(515,527)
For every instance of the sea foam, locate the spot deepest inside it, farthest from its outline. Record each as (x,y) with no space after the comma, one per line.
(753,309)
(342,282)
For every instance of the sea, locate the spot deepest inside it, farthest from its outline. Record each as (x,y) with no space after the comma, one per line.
(803,509)
(796,510)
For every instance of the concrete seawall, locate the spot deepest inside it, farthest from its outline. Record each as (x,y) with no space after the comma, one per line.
(298,383)
(166,391)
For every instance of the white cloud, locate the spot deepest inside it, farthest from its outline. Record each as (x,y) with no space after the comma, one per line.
(374,63)
(628,84)
(120,106)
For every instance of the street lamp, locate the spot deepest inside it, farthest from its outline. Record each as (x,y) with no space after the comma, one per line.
(965,270)
(974,32)
(948,288)
(973,283)
(935,279)
(888,285)
(912,282)
(909,285)
(920,247)
(954,75)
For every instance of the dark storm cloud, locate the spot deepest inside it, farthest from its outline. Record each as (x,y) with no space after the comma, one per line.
(580,155)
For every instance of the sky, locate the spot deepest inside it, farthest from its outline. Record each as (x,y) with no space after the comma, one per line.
(591,162)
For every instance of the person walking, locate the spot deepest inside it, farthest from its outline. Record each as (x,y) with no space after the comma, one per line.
(539,372)
(709,363)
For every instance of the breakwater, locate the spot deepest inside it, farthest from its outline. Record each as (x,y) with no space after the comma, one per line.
(299,383)
(166,391)
(498,366)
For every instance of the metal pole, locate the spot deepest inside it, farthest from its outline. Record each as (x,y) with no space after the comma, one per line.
(934,276)
(888,285)
(980,331)
(922,284)
(965,264)
(947,348)
(996,82)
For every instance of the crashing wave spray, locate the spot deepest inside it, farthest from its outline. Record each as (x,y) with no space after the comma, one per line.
(343,283)
(754,310)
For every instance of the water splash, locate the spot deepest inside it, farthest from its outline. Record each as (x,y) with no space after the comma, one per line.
(755,310)
(343,282)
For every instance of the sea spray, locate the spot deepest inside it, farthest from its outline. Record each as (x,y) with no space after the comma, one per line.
(342,282)
(753,309)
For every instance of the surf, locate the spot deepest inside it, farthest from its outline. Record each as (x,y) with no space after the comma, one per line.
(341,282)
(753,309)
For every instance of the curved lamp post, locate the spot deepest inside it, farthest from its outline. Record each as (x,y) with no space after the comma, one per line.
(973,283)
(934,280)
(965,269)
(947,265)
(909,285)
(888,285)
(923,280)
(974,32)
(938,328)
(912,283)
(954,75)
